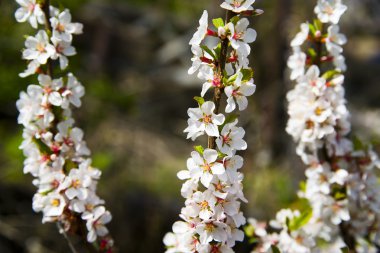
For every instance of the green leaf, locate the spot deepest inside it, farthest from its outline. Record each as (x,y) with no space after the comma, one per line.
(275,249)
(345,250)
(253,240)
(200,100)
(338,192)
(69,165)
(221,155)
(217,50)
(330,74)
(218,22)
(247,74)
(301,220)
(230,80)
(318,25)
(302,186)
(44,149)
(235,19)
(199,149)
(312,52)
(249,230)
(312,29)
(209,51)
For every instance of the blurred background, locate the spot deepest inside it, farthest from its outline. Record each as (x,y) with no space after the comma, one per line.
(133,59)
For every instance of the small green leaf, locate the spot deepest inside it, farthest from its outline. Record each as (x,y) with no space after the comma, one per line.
(44,149)
(317,24)
(199,149)
(253,240)
(312,29)
(338,192)
(217,50)
(249,230)
(221,155)
(231,79)
(209,51)
(312,52)
(200,100)
(301,220)
(69,165)
(235,19)
(275,249)
(302,186)
(345,250)
(330,74)
(218,22)
(247,74)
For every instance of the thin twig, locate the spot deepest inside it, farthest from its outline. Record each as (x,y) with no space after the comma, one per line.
(218,91)
(63,232)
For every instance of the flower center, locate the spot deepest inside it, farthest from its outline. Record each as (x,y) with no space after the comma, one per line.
(40,47)
(204,204)
(237,3)
(76,183)
(60,28)
(31,7)
(219,187)
(209,227)
(207,119)
(318,111)
(226,139)
(206,167)
(55,202)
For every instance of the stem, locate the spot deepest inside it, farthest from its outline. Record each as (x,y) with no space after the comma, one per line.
(48,28)
(61,230)
(218,91)
(323,155)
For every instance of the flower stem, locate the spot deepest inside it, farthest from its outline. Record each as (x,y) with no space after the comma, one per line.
(48,28)
(218,91)
(63,232)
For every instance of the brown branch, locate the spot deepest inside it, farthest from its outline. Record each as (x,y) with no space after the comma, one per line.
(218,91)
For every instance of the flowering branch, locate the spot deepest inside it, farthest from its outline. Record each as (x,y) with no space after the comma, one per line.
(339,201)
(57,155)
(213,188)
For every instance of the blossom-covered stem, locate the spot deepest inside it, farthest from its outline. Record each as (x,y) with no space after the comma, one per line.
(56,154)
(48,28)
(218,91)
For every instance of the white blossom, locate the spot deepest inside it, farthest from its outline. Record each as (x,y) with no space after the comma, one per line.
(30,11)
(238,5)
(330,10)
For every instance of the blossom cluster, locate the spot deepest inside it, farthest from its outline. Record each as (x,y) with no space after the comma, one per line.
(56,154)
(213,184)
(340,204)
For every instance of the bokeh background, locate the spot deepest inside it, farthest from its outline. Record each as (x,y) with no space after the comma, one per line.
(133,59)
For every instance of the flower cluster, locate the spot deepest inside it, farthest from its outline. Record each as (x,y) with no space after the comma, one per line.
(57,155)
(213,184)
(339,201)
